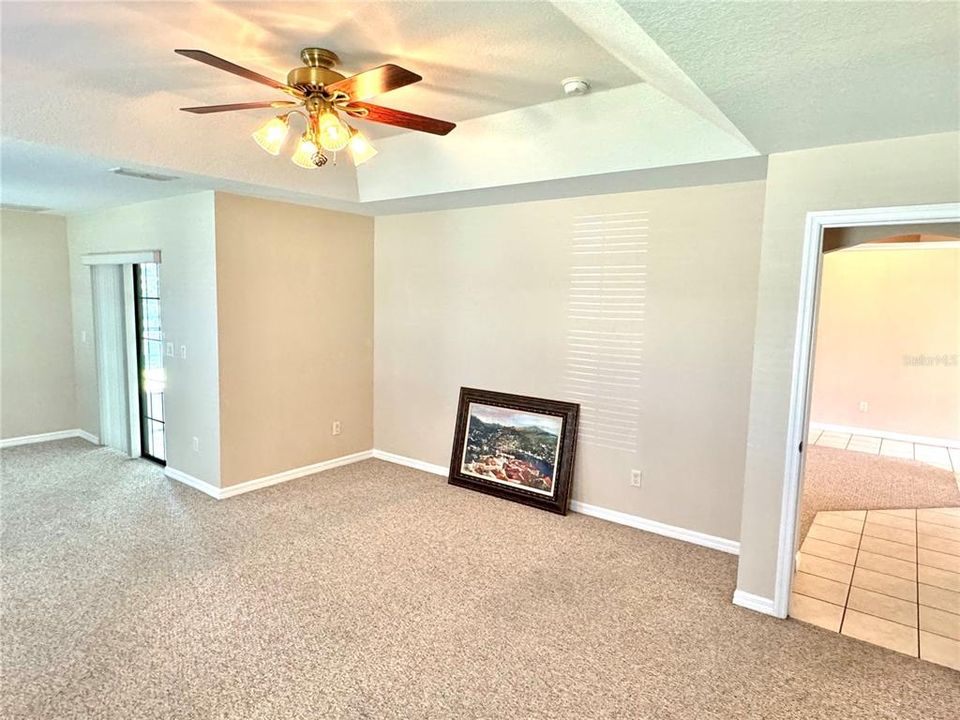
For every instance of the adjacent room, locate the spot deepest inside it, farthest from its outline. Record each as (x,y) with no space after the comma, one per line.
(881,481)
(479,359)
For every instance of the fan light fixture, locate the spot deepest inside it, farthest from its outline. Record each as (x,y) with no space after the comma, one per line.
(326,133)
(323,97)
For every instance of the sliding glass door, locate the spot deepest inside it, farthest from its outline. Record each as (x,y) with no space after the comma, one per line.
(150,360)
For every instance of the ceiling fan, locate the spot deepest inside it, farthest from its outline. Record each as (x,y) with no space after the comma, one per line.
(321,95)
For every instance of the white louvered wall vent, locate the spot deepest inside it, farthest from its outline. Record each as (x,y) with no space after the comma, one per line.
(604,366)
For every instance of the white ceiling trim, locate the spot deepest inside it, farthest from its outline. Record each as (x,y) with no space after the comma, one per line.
(614,29)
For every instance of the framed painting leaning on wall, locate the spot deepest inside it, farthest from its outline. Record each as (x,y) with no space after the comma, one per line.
(515,447)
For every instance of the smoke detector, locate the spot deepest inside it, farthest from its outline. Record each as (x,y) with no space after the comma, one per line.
(575,86)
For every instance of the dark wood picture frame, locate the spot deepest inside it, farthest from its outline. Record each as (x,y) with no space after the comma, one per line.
(558,499)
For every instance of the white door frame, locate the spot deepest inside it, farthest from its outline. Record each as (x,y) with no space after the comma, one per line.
(803,352)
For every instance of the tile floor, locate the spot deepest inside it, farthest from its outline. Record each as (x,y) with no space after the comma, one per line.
(888,577)
(937,455)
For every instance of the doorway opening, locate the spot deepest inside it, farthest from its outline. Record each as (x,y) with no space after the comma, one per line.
(870,529)
(150,371)
(128,340)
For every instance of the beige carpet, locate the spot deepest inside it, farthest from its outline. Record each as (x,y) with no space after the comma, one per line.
(374,591)
(846,480)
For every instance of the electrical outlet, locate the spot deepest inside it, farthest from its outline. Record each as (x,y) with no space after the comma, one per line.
(196,444)
(335,428)
(636,478)
(864,406)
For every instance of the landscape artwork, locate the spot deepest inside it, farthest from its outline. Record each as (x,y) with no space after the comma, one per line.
(512,447)
(516,447)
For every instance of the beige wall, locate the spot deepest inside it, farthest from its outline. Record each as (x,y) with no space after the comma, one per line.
(295,307)
(482,297)
(182,229)
(905,171)
(880,310)
(36,360)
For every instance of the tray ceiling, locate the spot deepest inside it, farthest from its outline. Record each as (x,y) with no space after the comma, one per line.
(673,84)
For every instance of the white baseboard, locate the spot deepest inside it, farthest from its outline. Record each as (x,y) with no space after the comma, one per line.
(411,463)
(221,493)
(886,434)
(47,437)
(754,602)
(293,474)
(196,483)
(692,536)
(89,437)
(658,528)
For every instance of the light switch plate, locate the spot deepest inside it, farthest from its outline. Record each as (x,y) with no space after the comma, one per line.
(169,349)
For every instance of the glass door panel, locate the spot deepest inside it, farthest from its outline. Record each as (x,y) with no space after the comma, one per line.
(150,358)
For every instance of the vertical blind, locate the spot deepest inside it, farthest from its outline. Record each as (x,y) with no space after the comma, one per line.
(110,339)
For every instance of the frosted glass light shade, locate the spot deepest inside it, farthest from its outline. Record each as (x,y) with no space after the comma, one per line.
(360,148)
(334,134)
(306,150)
(271,134)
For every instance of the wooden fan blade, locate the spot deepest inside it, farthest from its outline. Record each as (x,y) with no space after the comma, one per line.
(389,116)
(377,81)
(221,64)
(204,109)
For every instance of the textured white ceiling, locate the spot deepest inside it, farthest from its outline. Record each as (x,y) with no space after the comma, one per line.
(57,179)
(476,58)
(674,84)
(68,182)
(792,75)
(101,79)
(579,136)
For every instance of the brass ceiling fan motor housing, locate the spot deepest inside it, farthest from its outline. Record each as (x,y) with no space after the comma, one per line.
(317,70)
